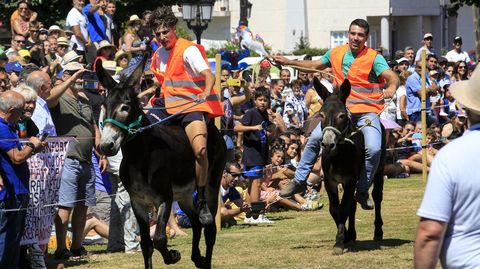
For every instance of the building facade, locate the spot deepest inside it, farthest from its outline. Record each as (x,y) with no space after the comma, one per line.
(394,24)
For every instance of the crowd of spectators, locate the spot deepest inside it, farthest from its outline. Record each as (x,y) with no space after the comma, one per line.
(268,118)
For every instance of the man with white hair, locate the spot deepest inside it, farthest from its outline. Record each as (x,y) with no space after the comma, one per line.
(449,219)
(14,178)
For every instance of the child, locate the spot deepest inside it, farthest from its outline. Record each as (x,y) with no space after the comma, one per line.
(254,125)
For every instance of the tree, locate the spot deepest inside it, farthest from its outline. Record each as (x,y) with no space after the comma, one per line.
(303,47)
(302,42)
(455,5)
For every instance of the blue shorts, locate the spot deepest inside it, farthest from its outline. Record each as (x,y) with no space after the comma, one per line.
(77,184)
(253,171)
(182,119)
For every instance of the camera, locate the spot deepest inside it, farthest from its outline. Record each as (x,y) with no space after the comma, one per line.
(90,80)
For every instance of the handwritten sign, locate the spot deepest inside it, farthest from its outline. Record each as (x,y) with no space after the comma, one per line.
(45,168)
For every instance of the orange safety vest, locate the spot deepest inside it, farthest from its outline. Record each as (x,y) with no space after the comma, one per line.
(365,96)
(179,87)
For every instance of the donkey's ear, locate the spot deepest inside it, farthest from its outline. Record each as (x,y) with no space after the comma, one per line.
(321,89)
(134,80)
(345,89)
(103,77)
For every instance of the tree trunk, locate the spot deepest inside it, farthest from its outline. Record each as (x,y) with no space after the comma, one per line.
(476,28)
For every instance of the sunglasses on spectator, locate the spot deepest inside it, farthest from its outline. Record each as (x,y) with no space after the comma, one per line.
(19,41)
(429,38)
(461,66)
(22,8)
(62,46)
(239,175)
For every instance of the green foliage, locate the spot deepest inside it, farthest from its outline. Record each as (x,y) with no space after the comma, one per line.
(310,51)
(302,43)
(455,5)
(303,47)
(183,33)
(229,45)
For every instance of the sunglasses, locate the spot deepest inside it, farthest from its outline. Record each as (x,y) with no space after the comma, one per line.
(234,174)
(20,41)
(461,67)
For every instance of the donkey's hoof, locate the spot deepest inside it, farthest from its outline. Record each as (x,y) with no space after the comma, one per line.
(337,251)
(378,237)
(174,257)
(199,261)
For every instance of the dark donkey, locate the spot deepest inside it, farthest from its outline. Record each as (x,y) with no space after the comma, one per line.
(343,158)
(158,167)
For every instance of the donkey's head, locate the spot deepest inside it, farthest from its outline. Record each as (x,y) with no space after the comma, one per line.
(334,117)
(123,113)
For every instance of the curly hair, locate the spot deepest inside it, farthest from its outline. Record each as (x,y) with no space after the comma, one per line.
(163,16)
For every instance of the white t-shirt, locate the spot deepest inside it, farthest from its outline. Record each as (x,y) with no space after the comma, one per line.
(454,56)
(428,51)
(194,62)
(75,17)
(451,196)
(401,91)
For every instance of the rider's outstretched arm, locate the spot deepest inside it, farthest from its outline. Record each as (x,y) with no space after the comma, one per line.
(308,65)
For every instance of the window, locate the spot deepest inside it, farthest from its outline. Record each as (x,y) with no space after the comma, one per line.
(338,38)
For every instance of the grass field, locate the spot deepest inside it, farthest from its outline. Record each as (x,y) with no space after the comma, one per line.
(300,239)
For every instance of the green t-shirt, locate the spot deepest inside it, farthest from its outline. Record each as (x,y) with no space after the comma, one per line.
(74,117)
(379,64)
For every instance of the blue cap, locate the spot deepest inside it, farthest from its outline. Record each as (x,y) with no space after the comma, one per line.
(13,67)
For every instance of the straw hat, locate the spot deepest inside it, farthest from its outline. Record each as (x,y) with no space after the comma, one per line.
(467,92)
(104,44)
(70,57)
(121,53)
(56,28)
(73,66)
(109,65)
(63,41)
(134,18)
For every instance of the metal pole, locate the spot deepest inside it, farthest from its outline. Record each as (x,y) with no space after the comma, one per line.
(218,73)
(424,117)
(198,33)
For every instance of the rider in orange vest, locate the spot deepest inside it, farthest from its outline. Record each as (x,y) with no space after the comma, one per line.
(367,72)
(181,67)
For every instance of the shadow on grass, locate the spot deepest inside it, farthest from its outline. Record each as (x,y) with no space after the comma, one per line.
(358,246)
(367,245)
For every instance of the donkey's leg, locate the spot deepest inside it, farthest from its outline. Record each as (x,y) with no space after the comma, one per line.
(187,206)
(350,210)
(210,233)
(196,257)
(334,206)
(377,195)
(141,213)
(160,237)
